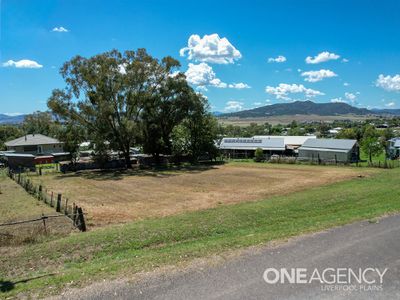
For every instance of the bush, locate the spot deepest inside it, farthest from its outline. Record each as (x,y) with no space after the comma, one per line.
(259,155)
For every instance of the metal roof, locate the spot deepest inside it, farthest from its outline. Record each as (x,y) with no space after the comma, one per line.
(397,143)
(252,144)
(31,140)
(18,155)
(324,149)
(288,139)
(333,144)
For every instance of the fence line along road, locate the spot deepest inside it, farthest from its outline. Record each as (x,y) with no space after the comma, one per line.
(74,212)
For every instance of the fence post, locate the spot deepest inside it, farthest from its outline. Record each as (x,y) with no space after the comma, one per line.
(74,214)
(82,225)
(40,194)
(51,199)
(58,207)
(66,207)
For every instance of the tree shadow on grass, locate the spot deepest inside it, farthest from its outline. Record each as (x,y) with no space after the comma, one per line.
(6,285)
(154,171)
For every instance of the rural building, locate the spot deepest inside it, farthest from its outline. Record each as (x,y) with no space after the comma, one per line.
(292,142)
(245,147)
(394,148)
(20,161)
(330,150)
(36,144)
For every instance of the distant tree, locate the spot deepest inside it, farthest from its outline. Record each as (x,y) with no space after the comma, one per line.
(9,132)
(370,142)
(40,123)
(259,155)
(385,136)
(347,133)
(72,135)
(202,130)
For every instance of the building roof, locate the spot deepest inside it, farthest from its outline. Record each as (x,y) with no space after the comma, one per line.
(289,139)
(31,140)
(328,144)
(19,155)
(252,143)
(397,143)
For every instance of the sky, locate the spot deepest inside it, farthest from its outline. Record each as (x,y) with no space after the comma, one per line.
(239,54)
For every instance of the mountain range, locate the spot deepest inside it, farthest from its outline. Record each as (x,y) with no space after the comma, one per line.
(304,108)
(6,119)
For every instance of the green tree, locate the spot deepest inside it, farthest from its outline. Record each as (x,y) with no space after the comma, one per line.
(259,155)
(40,123)
(370,143)
(7,133)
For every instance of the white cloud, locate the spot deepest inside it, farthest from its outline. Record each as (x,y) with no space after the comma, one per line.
(23,63)
(239,86)
(60,29)
(13,114)
(279,59)
(389,83)
(202,75)
(283,90)
(321,57)
(345,60)
(233,106)
(346,84)
(338,100)
(257,103)
(211,48)
(390,104)
(350,96)
(314,76)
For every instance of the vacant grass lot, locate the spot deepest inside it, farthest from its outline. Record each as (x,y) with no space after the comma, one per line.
(119,197)
(123,250)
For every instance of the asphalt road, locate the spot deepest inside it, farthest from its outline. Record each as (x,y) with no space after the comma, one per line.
(360,245)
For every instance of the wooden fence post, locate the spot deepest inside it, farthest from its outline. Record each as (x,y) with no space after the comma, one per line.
(51,199)
(82,225)
(58,207)
(66,207)
(40,193)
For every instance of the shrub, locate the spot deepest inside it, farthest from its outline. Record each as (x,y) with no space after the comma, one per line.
(259,155)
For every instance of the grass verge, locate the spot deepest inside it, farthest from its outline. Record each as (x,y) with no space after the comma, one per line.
(109,252)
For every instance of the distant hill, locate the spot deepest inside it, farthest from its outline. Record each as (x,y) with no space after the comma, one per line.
(300,108)
(5,119)
(394,112)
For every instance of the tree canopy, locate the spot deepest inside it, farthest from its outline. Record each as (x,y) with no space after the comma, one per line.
(127,99)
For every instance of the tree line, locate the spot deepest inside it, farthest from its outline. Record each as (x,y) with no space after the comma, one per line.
(123,100)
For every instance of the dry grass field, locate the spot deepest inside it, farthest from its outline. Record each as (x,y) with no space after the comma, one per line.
(274,120)
(119,197)
(17,205)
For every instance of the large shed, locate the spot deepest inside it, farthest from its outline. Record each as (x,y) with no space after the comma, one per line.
(245,147)
(330,150)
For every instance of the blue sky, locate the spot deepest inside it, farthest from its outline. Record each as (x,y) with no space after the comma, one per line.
(353,48)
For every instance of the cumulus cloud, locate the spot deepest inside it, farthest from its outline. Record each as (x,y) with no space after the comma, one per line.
(279,59)
(60,29)
(233,106)
(203,75)
(23,63)
(389,83)
(390,104)
(338,100)
(314,76)
(322,57)
(350,96)
(239,86)
(283,90)
(346,84)
(211,48)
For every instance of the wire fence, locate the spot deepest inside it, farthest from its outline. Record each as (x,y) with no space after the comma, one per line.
(57,201)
